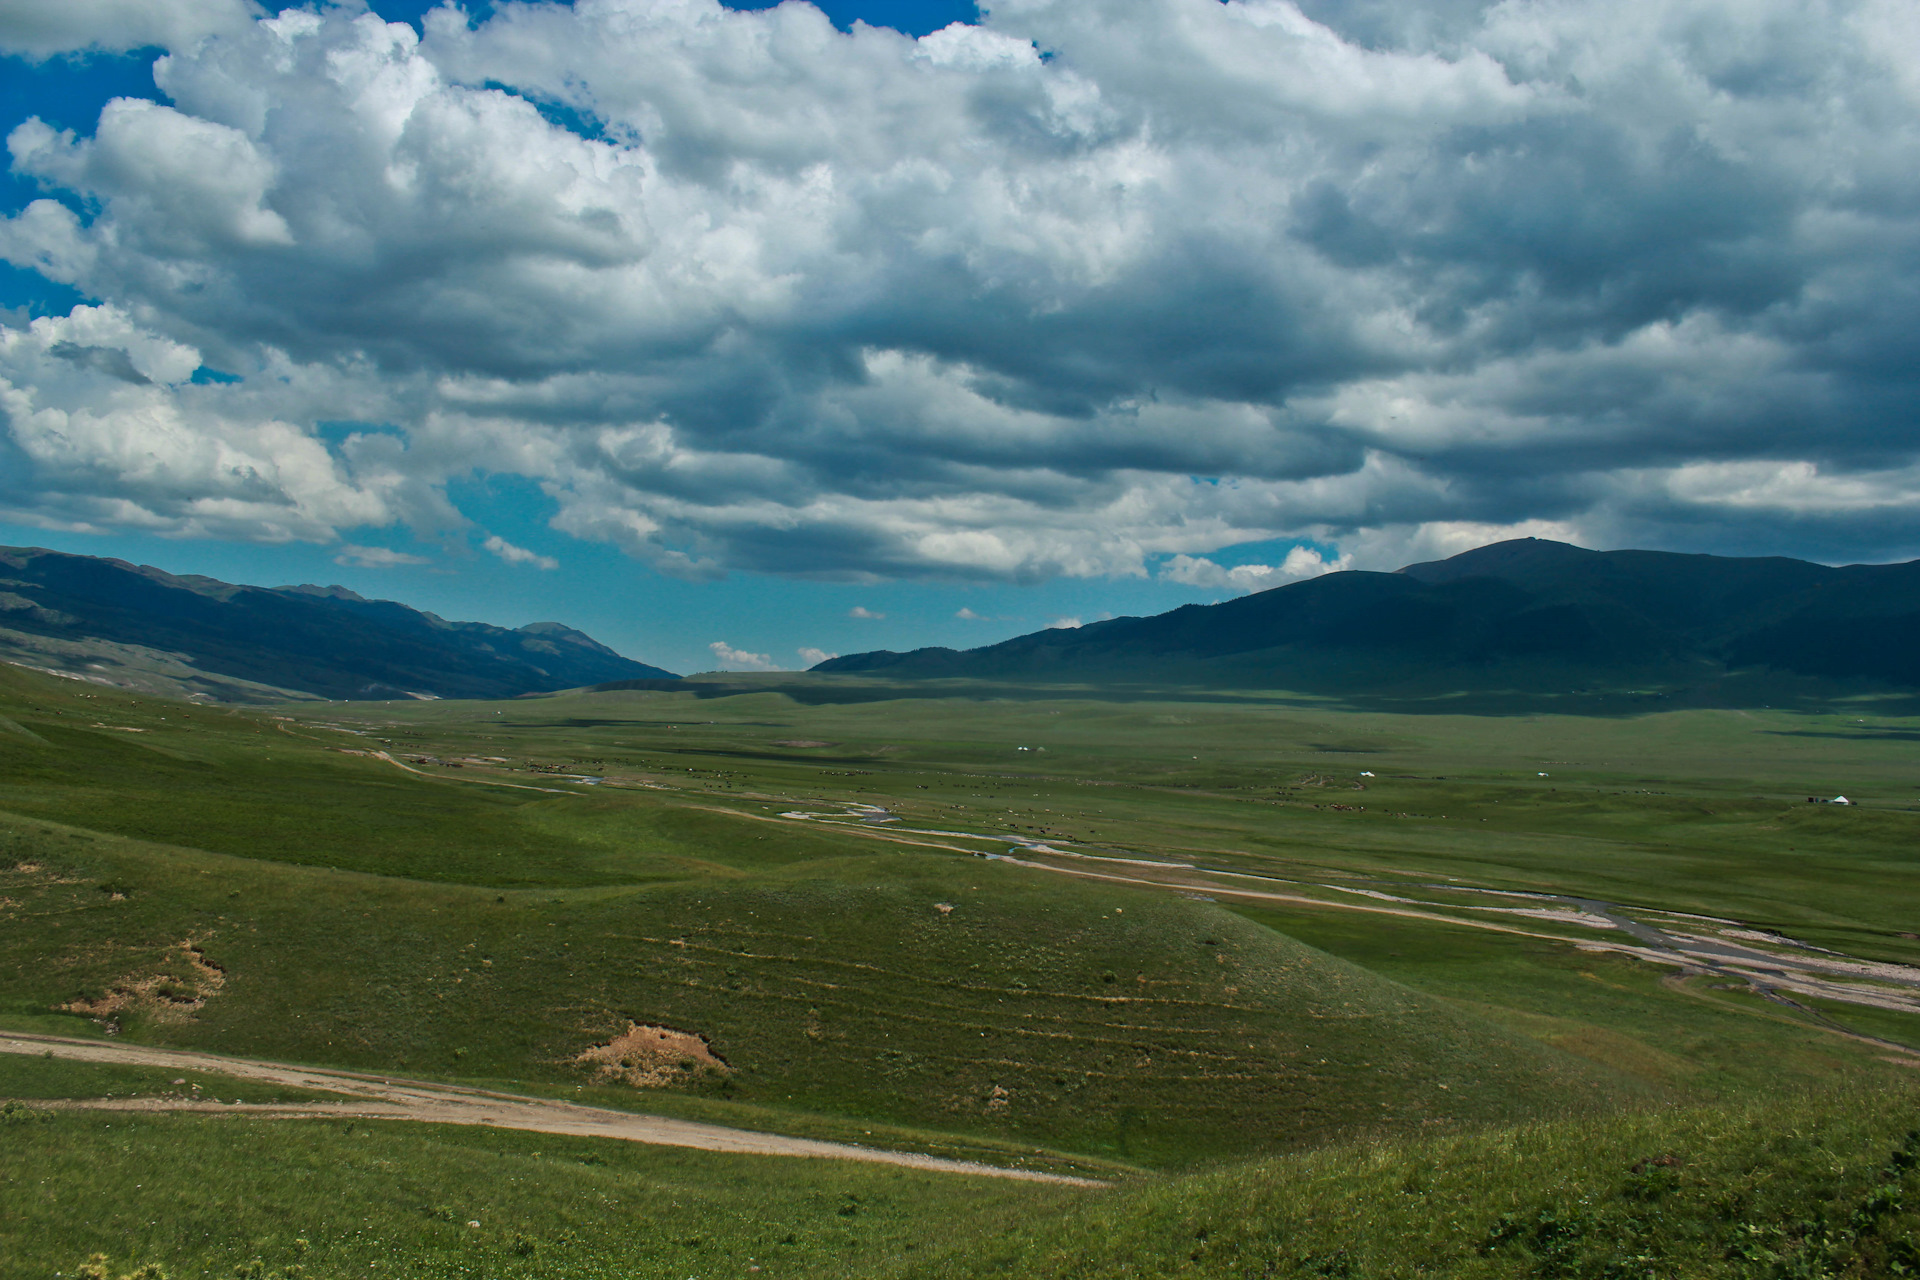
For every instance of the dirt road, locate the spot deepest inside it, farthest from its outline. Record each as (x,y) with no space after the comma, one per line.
(391,1098)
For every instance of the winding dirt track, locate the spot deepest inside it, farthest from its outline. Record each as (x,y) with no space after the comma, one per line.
(390,1098)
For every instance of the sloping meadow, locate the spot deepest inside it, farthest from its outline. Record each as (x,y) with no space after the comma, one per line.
(938,992)
(384,921)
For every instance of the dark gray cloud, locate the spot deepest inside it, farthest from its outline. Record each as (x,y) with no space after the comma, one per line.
(1094,283)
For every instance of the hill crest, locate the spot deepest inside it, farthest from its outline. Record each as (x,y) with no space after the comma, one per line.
(137,626)
(1505,615)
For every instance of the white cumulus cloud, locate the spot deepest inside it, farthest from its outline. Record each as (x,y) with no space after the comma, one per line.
(376,557)
(732,659)
(1300,562)
(41,28)
(814,657)
(739,291)
(518,555)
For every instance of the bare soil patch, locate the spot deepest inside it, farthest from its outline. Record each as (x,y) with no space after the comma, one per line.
(648,1057)
(167,997)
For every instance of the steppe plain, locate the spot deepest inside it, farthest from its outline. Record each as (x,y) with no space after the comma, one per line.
(1265,984)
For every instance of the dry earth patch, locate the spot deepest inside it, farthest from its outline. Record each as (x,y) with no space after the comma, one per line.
(649,1056)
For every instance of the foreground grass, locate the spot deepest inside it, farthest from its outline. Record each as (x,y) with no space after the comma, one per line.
(1820,1185)
(203,1195)
(24,1076)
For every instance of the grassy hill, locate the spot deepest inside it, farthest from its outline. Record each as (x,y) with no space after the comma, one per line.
(1819,1185)
(367,917)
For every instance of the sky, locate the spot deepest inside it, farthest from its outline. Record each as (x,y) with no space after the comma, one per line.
(742,336)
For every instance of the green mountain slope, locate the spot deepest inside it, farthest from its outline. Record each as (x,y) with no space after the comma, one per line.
(136,626)
(1527,612)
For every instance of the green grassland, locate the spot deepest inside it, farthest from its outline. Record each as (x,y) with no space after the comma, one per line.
(208,1194)
(1797,1188)
(1113,1022)
(1686,1043)
(256,883)
(24,1076)
(1821,1185)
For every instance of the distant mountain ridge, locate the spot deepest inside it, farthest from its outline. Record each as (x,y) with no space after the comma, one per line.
(102,619)
(1524,610)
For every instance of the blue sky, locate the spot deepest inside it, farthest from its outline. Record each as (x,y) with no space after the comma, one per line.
(692,327)
(662,619)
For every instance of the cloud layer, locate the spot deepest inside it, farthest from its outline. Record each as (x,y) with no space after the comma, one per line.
(1089,286)
(42,28)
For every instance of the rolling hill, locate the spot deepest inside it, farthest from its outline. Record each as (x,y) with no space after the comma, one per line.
(364,915)
(1523,613)
(137,627)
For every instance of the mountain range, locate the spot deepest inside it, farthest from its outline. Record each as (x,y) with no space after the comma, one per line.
(138,627)
(1528,613)
(1524,615)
